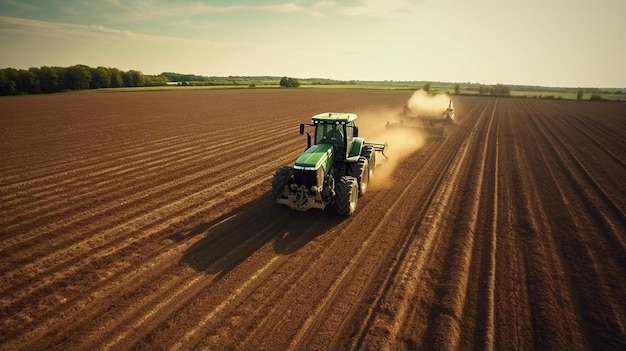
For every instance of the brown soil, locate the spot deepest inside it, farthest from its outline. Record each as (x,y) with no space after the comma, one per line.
(143,220)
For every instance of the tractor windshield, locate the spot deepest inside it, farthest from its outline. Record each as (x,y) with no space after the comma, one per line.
(329,133)
(332,133)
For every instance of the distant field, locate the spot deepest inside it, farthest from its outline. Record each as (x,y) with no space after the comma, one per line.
(443,88)
(565,95)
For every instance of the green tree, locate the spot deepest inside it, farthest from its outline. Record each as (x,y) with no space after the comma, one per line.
(289,82)
(596,97)
(457,89)
(7,81)
(49,79)
(579,96)
(500,90)
(159,80)
(116,78)
(100,77)
(77,77)
(294,83)
(132,78)
(426,87)
(27,82)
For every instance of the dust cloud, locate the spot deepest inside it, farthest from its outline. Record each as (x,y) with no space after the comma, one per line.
(401,142)
(423,103)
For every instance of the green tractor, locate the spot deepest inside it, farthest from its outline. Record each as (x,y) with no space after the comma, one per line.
(334,171)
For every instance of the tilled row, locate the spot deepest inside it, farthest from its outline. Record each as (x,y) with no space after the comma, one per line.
(481,240)
(145,230)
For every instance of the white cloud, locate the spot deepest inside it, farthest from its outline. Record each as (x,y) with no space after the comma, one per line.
(196,25)
(149,10)
(69,30)
(18,5)
(378,8)
(280,8)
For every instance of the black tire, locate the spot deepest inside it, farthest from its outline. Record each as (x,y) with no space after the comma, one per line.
(281,180)
(360,171)
(370,154)
(346,196)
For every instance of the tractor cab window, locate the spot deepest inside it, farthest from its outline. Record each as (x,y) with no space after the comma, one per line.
(320,133)
(332,134)
(329,133)
(350,131)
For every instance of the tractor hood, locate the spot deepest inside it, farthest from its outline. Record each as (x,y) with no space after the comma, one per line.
(315,157)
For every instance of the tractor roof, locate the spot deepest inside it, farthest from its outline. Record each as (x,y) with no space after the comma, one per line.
(334,117)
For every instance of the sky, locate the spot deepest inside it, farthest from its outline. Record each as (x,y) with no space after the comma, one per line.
(556,43)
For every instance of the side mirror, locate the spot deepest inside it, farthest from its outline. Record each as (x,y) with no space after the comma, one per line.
(301,129)
(356,131)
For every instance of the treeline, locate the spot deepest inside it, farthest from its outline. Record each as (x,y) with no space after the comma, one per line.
(46,79)
(182,77)
(495,90)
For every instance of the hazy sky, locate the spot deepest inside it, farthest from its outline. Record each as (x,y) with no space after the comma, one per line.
(572,43)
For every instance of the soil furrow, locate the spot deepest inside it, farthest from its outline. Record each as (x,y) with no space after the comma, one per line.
(144,221)
(584,266)
(192,176)
(124,278)
(68,256)
(138,172)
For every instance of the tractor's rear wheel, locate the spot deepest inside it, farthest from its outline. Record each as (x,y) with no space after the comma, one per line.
(281,180)
(346,196)
(370,154)
(360,171)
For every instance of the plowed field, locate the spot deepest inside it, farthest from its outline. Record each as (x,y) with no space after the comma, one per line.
(144,220)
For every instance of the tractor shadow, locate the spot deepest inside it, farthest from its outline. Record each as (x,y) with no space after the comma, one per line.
(232,238)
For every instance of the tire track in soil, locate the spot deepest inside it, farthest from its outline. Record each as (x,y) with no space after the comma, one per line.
(485,310)
(445,320)
(512,308)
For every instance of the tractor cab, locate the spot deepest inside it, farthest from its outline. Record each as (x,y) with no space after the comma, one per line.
(337,129)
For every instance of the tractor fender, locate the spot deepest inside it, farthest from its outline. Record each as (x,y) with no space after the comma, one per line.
(357,145)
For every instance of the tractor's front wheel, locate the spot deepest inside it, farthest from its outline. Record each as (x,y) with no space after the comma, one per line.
(346,196)
(280,181)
